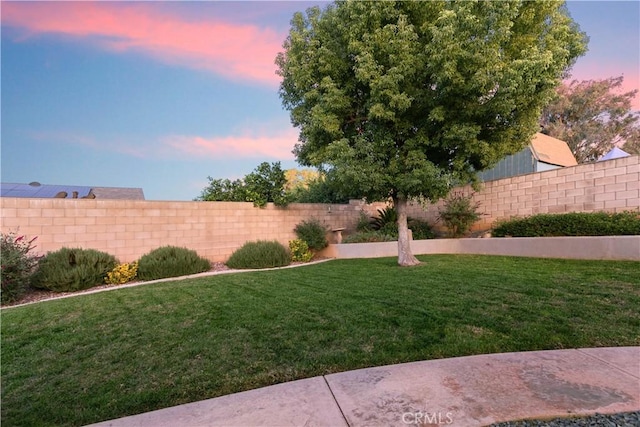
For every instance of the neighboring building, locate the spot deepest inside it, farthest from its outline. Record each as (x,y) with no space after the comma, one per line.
(615,153)
(543,153)
(37,190)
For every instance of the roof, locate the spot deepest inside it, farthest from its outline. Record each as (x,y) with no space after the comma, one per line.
(37,190)
(118,193)
(615,153)
(551,150)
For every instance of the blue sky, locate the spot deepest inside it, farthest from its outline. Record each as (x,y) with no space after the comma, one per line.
(160,95)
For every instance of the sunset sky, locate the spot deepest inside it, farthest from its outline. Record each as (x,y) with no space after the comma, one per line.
(160,95)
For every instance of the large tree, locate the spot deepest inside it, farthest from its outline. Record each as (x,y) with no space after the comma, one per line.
(404,99)
(592,116)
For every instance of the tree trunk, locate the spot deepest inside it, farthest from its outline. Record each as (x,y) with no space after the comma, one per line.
(405,256)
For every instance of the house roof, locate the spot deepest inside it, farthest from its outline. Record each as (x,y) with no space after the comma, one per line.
(551,150)
(615,153)
(37,190)
(118,193)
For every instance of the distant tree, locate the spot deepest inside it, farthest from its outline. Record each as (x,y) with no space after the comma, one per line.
(592,116)
(265,184)
(403,99)
(299,178)
(632,146)
(223,190)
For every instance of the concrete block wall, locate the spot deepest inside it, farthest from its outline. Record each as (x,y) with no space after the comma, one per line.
(130,228)
(612,185)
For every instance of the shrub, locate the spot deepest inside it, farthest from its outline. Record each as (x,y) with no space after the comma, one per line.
(313,234)
(17,265)
(123,273)
(387,223)
(570,224)
(72,269)
(369,237)
(171,261)
(459,213)
(260,254)
(364,224)
(300,251)
(421,230)
(386,216)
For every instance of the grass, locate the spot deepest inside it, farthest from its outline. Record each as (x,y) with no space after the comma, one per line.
(81,360)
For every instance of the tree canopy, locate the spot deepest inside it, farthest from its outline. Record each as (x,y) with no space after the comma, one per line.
(592,116)
(265,184)
(404,99)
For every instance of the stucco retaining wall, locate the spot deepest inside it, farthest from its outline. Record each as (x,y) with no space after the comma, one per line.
(596,247)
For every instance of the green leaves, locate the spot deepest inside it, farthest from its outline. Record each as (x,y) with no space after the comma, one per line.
(408,96)
(592,117)
(265,184)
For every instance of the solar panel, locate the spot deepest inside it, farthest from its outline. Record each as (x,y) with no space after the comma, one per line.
(41,191)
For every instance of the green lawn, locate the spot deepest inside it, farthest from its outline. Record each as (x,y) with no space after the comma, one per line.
(96,357)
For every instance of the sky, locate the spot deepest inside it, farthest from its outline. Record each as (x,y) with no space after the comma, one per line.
(162,95)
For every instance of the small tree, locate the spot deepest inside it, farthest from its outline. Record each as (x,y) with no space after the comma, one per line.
(592,117)
(404,99)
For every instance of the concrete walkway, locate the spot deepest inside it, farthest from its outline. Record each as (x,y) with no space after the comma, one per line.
(463,391)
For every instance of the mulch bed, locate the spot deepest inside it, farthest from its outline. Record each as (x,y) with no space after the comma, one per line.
(36,295)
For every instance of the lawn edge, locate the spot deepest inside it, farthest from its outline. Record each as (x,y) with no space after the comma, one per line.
(168,279)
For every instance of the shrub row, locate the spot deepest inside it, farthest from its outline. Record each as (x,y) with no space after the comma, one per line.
(75,269)
(570,224)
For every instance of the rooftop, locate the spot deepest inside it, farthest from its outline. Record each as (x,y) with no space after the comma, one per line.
(37,190)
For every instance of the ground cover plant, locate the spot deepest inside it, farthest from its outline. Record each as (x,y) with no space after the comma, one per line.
(95,357)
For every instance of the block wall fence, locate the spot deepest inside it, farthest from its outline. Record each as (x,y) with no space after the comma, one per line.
(130,228)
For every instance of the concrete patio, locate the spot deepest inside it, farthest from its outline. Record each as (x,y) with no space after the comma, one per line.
(463,391)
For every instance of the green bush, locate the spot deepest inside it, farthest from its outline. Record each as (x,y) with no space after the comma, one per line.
(260,254)
(369,237)
(300,252)
(313,233)
(364,224)
(171,261)
(421,230)
(17,265)
(72,269)
(459,213)
(386,216)
(570,224)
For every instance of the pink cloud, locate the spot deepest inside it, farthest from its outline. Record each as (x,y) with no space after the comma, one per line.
(276,146)
(239,52)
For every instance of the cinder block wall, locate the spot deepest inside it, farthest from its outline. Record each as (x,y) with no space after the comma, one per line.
(131,228)
(612,185)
